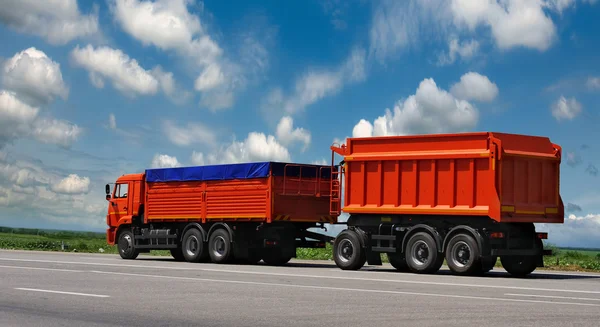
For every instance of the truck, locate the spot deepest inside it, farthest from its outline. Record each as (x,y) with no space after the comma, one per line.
(468,199)
(244,212)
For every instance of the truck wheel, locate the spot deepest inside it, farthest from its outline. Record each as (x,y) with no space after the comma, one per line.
(518,266)
(177,254)
(462,255)
(126,246)
(398,261)
(274,257)
(488,263)
(192,247)
(348,253)
(422,254)
(220,246)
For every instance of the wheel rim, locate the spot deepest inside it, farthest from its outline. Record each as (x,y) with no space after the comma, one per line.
(192,245)
(420,253)
(461,254)
(345,250)
(218,246)
(126,243)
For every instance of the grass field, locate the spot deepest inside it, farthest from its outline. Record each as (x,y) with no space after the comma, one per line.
(90,242)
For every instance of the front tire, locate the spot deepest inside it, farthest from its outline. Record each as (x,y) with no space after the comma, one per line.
(348,252)
(126,246)
(422,254)
(463,255)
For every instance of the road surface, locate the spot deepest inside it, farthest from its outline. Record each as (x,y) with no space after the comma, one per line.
(70,289)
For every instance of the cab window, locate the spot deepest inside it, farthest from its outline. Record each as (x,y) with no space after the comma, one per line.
(121,191)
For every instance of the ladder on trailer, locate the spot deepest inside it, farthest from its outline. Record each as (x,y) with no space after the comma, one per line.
(335,188)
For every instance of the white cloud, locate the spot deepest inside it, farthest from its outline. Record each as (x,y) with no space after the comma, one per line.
(287,134)
(169,86)
(256,147)
(54,131)
(125,73)
(429,110)
(474,86)
(112,121)
(513,23)
(318,84)
(30,190)
(321,162)
(72,184)
(164,161)
(398,26)
(565,108)
(34,76)
(575,232)
(593,83)
(465,50)
(171,26)
(18,119)
(57,21)
(192,133)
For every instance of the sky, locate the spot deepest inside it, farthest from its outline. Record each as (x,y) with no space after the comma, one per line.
(91,90)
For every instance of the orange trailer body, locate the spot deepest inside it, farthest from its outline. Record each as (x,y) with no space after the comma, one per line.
(275,198)
(507,177)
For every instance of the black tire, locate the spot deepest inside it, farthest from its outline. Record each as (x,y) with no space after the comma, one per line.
(126,246)
(177,254)
(219,246)
(488,263)
(398,261)
(275,257)
(422,254)
(463,255)
(193,248)
(519,266)
(348,252)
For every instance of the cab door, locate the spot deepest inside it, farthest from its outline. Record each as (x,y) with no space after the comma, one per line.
(120,201)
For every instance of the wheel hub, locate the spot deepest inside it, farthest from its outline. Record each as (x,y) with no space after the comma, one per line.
(345,250)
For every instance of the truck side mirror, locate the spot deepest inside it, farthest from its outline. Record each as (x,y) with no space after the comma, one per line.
(107,189)
(108,197)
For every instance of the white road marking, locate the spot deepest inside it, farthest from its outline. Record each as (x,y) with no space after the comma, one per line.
(59,292)
(196,267)
(39,268)
(554,297)
(344,289)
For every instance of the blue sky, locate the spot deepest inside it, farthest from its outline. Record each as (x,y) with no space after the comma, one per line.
(91,90)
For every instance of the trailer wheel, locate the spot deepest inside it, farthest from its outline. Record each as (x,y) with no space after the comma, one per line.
(219,245)
(462,255)
(422,254)
(275,257)
(126,245)
(519,266)
(192,248)
(398,261)
(348,253)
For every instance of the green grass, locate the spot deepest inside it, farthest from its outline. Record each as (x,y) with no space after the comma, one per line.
(89,242)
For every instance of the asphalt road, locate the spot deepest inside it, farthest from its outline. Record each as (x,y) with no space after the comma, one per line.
(69,289)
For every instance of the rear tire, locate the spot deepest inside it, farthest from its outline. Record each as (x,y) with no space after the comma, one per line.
(275,257)
(462,255)
(519,266)
(398,261)
(422,256)
(126,246)
(219,245)
(348,252)
(193,248)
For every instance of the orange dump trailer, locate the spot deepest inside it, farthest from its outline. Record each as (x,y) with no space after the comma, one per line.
(468,198)
(247,211)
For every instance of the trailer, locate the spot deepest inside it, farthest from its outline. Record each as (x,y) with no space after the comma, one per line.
(244,212)
(468,198)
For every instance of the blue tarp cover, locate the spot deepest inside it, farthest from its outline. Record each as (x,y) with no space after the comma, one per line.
(231,171)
